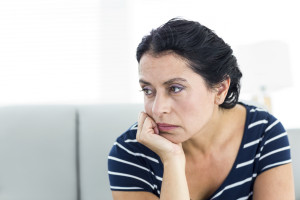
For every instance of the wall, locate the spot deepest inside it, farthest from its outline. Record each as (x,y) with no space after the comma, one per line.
(83,52)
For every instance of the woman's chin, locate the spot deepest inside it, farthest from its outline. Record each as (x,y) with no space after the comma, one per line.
(171,137)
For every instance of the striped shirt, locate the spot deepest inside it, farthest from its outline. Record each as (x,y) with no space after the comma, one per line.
(134,167)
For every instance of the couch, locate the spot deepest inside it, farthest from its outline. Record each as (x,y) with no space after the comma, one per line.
(59,152)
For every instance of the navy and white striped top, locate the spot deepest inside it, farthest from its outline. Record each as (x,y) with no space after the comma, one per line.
(134,167)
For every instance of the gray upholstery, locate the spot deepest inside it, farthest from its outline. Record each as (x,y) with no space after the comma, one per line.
(37,153)
(99,127)
(60,152)
(294,138)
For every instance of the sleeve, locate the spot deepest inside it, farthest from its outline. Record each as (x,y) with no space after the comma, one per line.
(128,170)
(275,149)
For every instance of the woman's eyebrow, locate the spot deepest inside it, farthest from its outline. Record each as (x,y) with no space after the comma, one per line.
(174,80)
(168,82)
(144,82)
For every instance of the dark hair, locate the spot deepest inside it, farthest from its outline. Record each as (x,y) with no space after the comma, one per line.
(206,53)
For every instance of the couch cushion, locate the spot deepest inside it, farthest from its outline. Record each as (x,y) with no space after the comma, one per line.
(99,127)
(294,138)
(37,153)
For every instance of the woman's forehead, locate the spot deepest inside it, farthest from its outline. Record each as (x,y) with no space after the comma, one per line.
(162,63)
(165,70)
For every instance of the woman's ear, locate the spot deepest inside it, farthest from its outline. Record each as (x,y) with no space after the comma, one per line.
(222,90)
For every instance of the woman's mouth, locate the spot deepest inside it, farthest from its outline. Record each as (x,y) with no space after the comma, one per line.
(166,127)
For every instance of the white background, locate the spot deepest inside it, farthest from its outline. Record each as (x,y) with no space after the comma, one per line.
(83,51)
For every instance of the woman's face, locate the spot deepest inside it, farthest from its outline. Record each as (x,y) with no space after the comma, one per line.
(175,96)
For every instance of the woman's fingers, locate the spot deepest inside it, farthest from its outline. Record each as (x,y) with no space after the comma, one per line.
(149,125)
(141,120)
(148,135)
(146,126)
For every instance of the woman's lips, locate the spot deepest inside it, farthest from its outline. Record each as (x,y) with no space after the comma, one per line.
(166,127)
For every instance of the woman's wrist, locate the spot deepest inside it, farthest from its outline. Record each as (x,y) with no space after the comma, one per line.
(174,160)
(174,185)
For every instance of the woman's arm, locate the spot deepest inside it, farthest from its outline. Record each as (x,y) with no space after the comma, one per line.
(174,184)
(275,183)
(117,195)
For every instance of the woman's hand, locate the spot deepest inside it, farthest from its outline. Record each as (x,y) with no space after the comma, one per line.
(174,185)
(148,135)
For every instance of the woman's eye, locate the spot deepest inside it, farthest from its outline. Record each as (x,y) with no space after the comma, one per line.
(176,89)
(147,91)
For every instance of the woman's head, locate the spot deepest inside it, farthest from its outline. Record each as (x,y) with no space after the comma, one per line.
(204,52)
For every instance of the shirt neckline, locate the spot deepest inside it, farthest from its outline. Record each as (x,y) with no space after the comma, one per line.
(226,180)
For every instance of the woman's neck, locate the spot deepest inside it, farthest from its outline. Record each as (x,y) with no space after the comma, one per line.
(217,132)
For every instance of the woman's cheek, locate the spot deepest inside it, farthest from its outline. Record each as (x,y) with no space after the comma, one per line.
(148,107)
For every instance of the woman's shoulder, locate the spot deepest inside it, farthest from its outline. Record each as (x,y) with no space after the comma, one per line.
(260,121)
(265,140)
(257,115)
(127,144)
(132,166)
(127,140)
(129,135)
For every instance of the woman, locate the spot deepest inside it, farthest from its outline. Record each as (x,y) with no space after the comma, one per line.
(195,140)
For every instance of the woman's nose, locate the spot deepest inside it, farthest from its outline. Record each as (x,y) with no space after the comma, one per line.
(161,105)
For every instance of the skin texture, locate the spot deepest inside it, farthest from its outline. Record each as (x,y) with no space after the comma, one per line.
(176,95)
(276,183)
